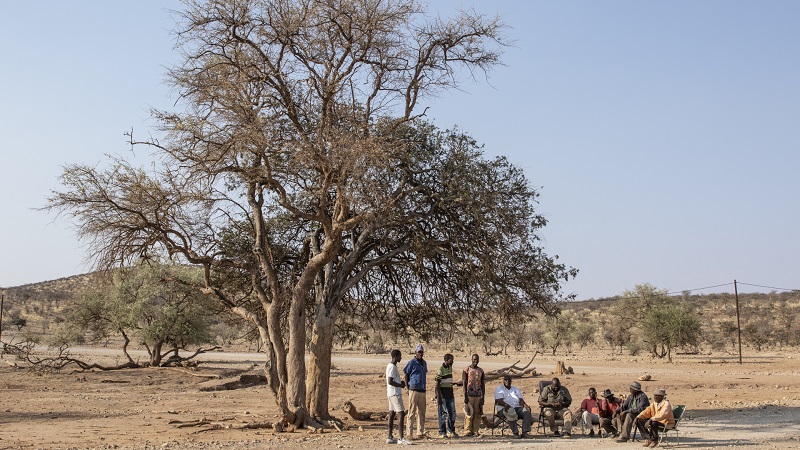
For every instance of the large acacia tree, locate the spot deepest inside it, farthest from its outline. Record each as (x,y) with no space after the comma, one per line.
(300,177)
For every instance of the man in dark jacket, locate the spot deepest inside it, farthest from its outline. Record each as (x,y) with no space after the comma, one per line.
(625,416)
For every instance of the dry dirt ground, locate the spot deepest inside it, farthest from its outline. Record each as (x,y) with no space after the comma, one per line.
(754,405)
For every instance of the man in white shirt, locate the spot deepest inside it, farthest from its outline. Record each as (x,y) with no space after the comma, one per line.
(394,391)
(509,402)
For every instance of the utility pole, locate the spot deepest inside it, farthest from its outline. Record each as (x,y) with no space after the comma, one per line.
(738,327)
(2,300)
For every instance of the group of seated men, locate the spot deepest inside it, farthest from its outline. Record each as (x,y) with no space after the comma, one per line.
(617,418)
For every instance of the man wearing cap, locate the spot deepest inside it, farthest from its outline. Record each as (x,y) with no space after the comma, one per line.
(509,402)
(606,409)
(474,391)
(415,372)
(655,418)
(555,400)
(625,416)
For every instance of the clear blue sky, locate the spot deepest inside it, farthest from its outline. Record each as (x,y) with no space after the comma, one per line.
(665,136)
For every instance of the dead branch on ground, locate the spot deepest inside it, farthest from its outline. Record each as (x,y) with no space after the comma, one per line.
(185,361)
(513,370)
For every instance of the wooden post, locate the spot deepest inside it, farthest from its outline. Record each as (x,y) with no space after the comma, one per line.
(2,301)
(738,326)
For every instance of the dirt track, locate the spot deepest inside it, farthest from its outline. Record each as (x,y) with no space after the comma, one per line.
(756,405)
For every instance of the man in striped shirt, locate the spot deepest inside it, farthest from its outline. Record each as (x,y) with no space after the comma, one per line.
(445,398)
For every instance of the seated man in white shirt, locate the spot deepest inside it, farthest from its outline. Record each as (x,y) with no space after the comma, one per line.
(509,398)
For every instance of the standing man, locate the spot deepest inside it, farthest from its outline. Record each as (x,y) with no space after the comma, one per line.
(625,416)
(509,398)
(474,390)
(445,398)
(589,411)
(555,400)
(416,370)
(394,390)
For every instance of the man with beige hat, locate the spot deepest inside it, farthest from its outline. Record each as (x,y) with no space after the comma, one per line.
(655,418)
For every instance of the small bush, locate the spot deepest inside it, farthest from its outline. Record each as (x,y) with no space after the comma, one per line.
(634,348)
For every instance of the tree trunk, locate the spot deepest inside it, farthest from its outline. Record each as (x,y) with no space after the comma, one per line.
(126,341)
(295,358)
(319,366)
(275,371)
(155,355)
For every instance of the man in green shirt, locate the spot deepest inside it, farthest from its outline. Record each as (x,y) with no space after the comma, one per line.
(445,398)
(555,400)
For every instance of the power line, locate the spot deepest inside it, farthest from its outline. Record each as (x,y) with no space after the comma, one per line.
(700,289)
(767,287)
(711,287)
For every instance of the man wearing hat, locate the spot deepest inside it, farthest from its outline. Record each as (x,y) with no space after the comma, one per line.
(625,416)
(607,406)
(509,398)
(415,372)
(655,417)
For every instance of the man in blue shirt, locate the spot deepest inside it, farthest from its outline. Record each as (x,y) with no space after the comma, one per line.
(416,370)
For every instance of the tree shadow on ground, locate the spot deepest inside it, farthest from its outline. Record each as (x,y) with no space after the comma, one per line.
(745,426)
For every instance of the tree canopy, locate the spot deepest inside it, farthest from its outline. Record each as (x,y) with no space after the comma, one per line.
(300,177)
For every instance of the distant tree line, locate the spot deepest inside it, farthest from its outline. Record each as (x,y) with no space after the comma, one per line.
(643,320)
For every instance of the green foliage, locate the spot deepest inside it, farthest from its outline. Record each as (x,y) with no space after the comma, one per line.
(157,304)
(635,303)
(584,332)
(757,333)
(558,330)
(18,322)
(64,336)
(671,326)
(633,347)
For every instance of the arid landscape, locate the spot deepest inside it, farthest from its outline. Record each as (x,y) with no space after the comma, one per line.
(753,405)
(270,196)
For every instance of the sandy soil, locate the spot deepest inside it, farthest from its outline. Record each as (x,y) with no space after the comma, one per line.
(754,405)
